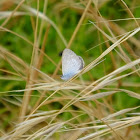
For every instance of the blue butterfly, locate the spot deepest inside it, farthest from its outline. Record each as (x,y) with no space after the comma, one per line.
(71,64)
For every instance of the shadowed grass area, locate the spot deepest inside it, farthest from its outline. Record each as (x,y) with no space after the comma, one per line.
(100,102)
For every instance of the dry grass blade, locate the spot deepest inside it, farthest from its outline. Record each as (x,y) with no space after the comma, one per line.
(106,131)
(4,29)
(45,18)
(121,112)
(98,96)
(24,127)
(131,93)
(125,37)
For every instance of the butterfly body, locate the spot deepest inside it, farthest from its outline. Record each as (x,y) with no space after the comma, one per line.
(71,64)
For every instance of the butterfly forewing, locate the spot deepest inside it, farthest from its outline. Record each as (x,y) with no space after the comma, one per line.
(71,63)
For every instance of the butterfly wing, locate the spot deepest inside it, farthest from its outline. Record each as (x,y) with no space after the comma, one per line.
(82,63)
(71,64)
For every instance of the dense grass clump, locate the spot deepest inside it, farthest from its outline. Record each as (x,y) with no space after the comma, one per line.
(100,102)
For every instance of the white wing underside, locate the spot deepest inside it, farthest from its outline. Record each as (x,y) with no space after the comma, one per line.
(71,63)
